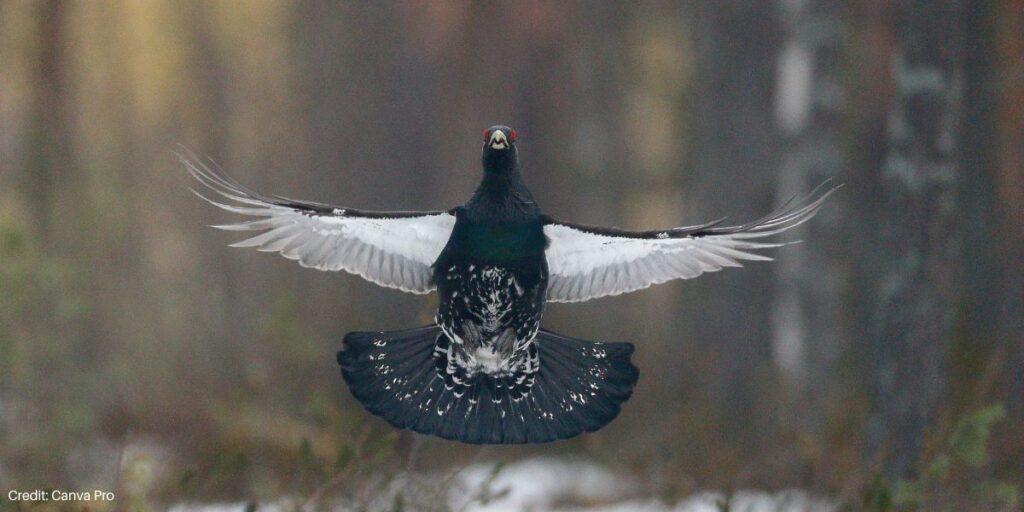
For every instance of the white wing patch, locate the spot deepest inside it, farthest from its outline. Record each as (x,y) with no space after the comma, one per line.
(587,263)
(396,252)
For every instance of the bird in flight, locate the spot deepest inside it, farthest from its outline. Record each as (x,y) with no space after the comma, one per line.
(485,371)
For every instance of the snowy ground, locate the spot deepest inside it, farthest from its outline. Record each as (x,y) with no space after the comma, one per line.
(547,484)
(541,485)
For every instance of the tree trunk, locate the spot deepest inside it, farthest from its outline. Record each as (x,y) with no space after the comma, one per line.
(915,259)
(50,135)
(1009,209)
(807,322)
(733,169)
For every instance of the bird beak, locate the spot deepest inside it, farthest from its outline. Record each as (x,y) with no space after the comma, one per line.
(498,140)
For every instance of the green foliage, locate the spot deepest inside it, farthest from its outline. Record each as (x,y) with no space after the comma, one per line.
(308,461)
(188,478)
(950,479)
(907,493)
(38,310)
(398,504)
(345,456)
(940,466)
(969,442)
(877,495)
(1001,492)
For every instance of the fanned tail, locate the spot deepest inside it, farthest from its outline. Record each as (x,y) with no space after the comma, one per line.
(400,376)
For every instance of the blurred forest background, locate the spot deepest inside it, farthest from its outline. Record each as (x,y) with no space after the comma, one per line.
(878,363)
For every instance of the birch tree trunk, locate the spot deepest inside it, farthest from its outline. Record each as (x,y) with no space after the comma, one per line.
(915,260)
(806,326)
(807,322)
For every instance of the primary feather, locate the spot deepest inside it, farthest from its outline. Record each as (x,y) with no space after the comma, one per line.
(392,249)
(588,262)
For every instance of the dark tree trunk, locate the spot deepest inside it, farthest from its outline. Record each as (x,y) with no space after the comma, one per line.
(913,212)
(49,146)
(1009,210)
(976,352)
(733,169)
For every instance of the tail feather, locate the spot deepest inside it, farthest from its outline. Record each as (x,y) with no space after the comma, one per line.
(579,387)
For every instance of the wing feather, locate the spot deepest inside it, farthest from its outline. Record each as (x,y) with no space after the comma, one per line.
(587,262)
(392,249)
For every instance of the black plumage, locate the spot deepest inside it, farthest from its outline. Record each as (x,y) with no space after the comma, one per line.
(405,377)
(485,372)
(496,379)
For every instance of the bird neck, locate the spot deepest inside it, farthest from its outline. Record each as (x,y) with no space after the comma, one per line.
(502,194)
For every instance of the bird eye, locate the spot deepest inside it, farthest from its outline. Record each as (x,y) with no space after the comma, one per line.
(512,136)
(487,135)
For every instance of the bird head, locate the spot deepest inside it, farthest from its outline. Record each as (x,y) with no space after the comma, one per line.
(499,153)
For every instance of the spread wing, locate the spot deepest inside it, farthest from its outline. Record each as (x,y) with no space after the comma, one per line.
(392,249)
(587,262)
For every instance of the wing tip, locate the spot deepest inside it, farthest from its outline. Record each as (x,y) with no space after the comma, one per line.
(729,246)
(792,213)
(212,176)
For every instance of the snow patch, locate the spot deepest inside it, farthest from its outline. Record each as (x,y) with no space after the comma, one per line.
(549,484)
